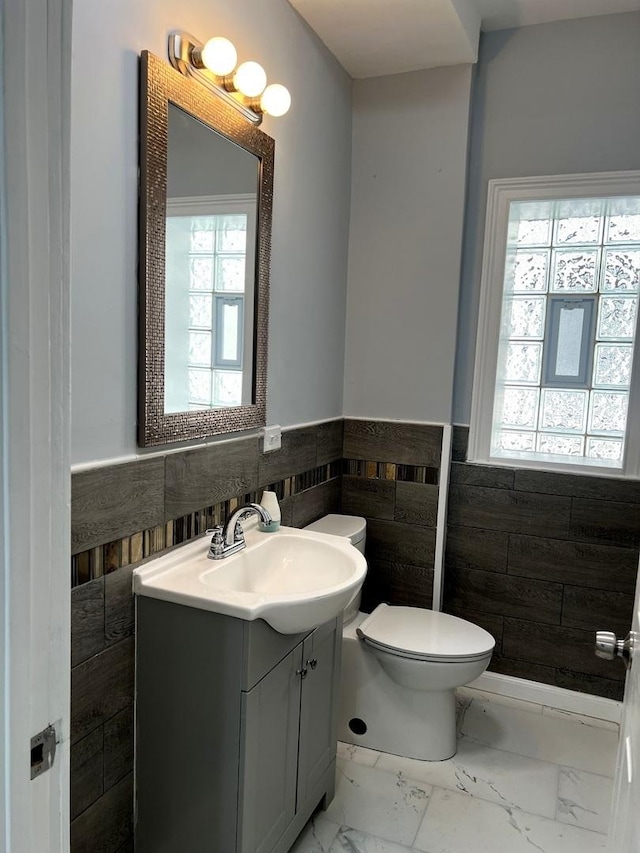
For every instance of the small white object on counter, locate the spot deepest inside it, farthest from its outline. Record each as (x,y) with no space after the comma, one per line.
(269,501)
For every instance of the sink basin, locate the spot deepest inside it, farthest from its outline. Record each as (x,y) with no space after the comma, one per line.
(293,579)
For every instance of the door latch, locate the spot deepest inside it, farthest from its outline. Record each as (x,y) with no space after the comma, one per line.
(43,751)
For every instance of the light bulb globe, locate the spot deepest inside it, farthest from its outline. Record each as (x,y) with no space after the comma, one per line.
(219,56)
(250,79)
(275,100)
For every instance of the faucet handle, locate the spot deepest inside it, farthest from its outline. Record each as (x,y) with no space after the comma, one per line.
(238,533)
(217,540)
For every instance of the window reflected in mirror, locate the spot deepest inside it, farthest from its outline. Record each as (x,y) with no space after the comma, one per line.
(209,267)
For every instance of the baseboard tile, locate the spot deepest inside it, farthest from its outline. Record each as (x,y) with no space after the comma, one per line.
(548,698)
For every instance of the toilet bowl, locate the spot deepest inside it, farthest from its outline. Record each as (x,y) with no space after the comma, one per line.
(420,656)
(400,669)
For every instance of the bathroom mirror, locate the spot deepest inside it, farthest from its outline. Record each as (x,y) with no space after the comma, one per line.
(206,186)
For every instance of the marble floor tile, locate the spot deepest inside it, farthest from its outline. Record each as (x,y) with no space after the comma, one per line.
(456,823)
(491,774)
(541,736)
(353,841)
(317,836)
(584,799)
(359,754)
(377,802)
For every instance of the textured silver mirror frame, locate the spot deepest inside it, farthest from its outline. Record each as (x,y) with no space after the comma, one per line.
(159,85)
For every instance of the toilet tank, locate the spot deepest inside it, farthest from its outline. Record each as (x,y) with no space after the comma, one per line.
(354,528)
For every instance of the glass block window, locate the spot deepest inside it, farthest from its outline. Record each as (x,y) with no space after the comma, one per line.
(217,258)
(567,332)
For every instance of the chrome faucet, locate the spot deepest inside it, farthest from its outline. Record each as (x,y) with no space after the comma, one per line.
(229,539)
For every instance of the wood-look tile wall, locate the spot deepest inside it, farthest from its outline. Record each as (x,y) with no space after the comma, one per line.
(120,515)
(542,560)
(390,476)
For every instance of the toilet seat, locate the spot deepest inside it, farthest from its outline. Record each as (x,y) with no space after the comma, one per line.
(427,635)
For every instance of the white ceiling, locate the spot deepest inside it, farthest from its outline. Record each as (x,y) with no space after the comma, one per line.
(502,14)
(371,38)
(375,37)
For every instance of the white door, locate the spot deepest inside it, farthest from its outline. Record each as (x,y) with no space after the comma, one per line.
(34,423)
(624,834)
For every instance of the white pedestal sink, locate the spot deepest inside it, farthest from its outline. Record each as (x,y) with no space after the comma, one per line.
(293,579)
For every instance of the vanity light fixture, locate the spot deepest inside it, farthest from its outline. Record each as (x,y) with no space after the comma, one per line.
(218,55)
(214,64)
(250,79)
(275,100)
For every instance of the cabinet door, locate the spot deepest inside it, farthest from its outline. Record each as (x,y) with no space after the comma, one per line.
(268,756)
(321,659)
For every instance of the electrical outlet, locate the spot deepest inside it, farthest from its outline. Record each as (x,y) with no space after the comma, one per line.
(272,438)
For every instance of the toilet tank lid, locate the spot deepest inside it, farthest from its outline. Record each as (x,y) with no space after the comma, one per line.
(352,527)
(425,633)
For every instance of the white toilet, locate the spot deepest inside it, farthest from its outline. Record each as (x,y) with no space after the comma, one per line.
(400,669)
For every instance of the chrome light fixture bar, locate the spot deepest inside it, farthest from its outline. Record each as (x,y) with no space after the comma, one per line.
(242,87)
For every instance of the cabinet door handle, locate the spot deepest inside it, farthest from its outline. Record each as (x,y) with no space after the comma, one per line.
(313,663)
(302,672)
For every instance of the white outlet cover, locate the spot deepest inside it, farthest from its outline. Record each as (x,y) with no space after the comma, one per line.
(272,438)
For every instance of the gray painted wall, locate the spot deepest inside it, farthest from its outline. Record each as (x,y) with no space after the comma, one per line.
(408,184)
(310,220)
(552,99)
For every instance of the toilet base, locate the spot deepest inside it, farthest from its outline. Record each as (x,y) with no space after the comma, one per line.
(378,713)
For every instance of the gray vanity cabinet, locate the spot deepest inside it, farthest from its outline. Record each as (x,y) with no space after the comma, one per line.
(235,730)
(269,756)
(321,657)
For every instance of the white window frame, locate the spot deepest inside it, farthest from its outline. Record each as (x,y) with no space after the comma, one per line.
(502,192)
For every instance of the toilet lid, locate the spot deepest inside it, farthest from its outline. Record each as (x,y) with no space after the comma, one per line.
(425,634)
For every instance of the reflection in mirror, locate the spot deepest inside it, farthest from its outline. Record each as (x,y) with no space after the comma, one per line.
(209,268)
(206,195)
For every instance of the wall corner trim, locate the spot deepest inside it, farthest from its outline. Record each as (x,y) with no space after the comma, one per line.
(441,523)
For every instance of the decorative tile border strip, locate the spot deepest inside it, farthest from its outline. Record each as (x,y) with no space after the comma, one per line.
(99,561)
(390,471)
